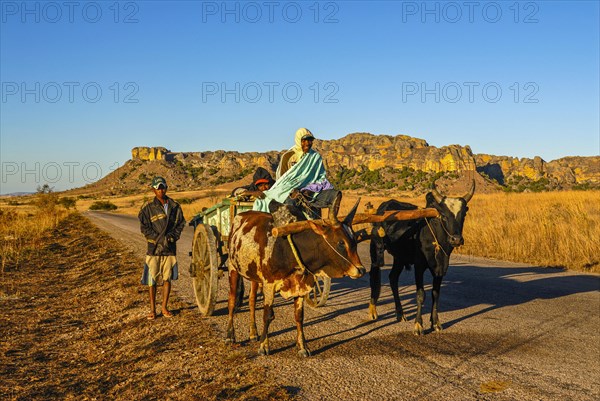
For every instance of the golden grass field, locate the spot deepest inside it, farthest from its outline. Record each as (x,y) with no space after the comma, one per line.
(559,229)
(22,230)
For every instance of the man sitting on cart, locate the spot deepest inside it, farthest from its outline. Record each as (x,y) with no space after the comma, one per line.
(301,179)
(261,181)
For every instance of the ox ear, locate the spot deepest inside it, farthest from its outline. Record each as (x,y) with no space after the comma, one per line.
(318,228)
(348,220)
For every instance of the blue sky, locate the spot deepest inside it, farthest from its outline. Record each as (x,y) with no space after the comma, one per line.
(84,83)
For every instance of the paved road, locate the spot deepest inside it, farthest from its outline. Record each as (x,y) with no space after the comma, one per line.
(511,332)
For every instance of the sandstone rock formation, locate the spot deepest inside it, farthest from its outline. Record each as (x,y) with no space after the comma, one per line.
(562,172)
(378,151)
(361,152)
(149,153)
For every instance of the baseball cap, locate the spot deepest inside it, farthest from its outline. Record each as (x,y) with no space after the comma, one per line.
(306,134)
(158,181)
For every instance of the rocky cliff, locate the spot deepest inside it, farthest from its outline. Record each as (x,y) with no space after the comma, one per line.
(377,151)
(149,153)
(561,173)
(393,162)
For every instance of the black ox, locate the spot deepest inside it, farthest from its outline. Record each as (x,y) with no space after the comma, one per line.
(425,243)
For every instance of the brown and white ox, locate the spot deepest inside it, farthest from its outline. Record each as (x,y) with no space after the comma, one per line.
(324,247)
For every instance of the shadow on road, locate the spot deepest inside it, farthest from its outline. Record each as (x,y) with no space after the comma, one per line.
(498,287)
(465,286)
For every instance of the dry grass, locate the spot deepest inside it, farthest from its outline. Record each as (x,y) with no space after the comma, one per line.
(74,326)
(545,229)
(131,204)
(560,229)
(21,233)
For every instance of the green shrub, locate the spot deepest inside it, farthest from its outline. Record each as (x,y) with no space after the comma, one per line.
(143,178)
(583,186)
(103,205)
(67,202)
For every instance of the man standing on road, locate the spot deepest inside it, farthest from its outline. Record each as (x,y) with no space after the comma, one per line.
(161,222)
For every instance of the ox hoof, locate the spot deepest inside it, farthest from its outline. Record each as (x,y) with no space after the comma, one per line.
(400,317)
(304,353)
(253,338)
(229,340)
(418,331)
(372,312)
(262,351)
(437,328)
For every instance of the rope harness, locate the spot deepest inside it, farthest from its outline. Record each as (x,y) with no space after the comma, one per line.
(304,203)
(436,243)
(308,211)
(303,268)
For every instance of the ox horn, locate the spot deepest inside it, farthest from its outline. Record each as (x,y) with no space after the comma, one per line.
(436,195)
(469,195)
(335,208)
(348,219)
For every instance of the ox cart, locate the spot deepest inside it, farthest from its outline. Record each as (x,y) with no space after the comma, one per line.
(209,255)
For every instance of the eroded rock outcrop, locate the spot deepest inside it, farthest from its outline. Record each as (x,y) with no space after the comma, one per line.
(561,172)
(377,151)
(149,153)
(359,151)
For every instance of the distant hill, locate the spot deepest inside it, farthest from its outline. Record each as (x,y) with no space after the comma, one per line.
(358,161)
(16,194)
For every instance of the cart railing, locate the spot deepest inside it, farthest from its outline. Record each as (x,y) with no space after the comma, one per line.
(221,215)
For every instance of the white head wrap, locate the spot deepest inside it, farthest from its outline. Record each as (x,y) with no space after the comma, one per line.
(294,154)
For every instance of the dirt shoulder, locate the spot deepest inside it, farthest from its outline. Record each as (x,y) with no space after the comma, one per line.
(74,326)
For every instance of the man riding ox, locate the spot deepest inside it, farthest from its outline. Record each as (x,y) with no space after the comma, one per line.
(287,259)
(425,243)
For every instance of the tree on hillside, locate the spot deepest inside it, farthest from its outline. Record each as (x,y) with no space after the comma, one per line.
(45,198)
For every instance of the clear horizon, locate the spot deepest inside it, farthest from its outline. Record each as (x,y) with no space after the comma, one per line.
(84,82)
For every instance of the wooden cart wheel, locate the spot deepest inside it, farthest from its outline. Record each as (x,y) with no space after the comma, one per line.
(318,296)
(205,260)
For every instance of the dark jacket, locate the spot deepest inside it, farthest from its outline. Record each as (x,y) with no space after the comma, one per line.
(260,173)
(153,221)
